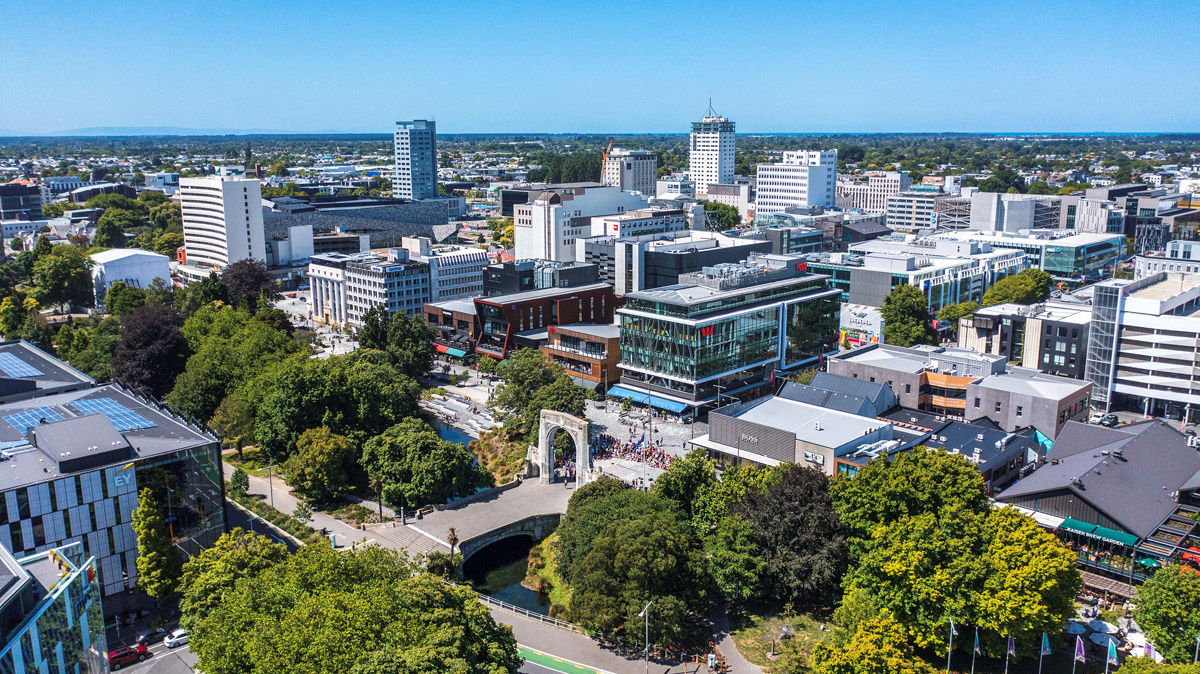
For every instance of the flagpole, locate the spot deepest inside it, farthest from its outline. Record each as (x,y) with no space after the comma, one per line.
(950,646)
(1041,656)
(1006,652)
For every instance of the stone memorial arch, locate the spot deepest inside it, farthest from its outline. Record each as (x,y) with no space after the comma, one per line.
(577,429)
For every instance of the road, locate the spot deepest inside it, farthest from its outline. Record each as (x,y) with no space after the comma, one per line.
(165,660)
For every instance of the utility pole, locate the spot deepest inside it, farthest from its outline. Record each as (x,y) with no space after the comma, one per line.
(646,614)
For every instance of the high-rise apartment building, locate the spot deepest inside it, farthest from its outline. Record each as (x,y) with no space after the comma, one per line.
(415,175)
(803,178)
(711,150)
(222,221)
(871,194)
(630,170)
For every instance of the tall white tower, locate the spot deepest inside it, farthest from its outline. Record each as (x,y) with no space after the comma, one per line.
(415,175)
(222,220)
(710,152)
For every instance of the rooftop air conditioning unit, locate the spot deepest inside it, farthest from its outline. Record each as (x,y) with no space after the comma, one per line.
(816,425)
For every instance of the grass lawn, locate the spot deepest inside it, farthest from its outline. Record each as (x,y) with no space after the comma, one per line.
(500,454)
(753,634)
(254,461)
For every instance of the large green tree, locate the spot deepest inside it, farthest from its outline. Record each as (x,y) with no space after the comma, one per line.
(208,576)
(1168,608)
(735,560)
(877,646)
(803,543)
(412,466)
(151,351)
(591,510)
(906,317)
(720,217)
(158,560)
(634,561)
(683,481)
(368,611)
(1028,287)
(322,467)
(63,276)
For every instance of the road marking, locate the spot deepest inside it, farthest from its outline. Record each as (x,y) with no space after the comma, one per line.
(556,663)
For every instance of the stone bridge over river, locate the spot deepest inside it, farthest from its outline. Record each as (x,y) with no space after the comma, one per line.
(530,508)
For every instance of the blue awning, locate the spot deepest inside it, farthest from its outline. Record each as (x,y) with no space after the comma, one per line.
(457,353)
(622,392)
(668,405)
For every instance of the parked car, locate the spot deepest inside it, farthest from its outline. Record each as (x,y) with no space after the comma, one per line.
(1109,420)
(176,638)
(127,656)
(1095,417)
(151,636)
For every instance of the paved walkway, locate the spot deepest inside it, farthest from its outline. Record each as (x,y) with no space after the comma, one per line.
(480,517)
(721,635)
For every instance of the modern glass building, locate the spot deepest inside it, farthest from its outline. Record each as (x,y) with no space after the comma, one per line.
(50,614)
(725,330)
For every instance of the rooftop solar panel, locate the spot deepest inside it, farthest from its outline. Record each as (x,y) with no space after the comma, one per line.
(15,367)
(32,417)
(123,418)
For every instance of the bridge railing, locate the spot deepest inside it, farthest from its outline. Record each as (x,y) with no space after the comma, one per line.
(562,624)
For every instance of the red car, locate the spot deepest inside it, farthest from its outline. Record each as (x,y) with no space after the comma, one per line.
(127,656)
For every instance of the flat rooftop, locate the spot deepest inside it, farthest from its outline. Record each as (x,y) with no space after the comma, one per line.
(93,416)
(541,293)
(1043,386)
(1168,287)
(695,294)
(593,329)
(27,371)
(465,305)
(817,425)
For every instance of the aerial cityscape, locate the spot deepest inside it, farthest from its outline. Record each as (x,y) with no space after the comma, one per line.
(578,340)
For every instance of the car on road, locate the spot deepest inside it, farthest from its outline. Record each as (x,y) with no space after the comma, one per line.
(1109,420)
(151,636)
(1095,417)
(176,638)
(127,656)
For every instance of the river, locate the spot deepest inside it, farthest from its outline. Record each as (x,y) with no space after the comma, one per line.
(498,570)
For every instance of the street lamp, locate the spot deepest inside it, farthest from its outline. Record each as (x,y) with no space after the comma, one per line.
(646,614)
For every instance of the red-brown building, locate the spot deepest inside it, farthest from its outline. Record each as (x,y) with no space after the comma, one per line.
(507,322)
(590,353)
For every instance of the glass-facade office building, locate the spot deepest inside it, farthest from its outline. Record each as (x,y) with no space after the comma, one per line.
(51,616)
(713,335)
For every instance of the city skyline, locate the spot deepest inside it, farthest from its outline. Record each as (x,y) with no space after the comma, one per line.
(622,68)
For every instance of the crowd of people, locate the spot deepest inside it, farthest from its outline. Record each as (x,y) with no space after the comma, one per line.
(605,446)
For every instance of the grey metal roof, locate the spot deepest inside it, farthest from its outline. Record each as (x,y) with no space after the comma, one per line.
(540,293)
(79,443)
(876,392)
(821,397)
(1128,473)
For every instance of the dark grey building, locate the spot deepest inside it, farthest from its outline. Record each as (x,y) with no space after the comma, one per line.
(635,263)
(518,276)
(20,202)
(1051,337)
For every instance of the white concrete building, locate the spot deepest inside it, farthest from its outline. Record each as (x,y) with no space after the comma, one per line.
(415,148)
(630,170)
(803,178)
(137,268)
(870,194)
(641,221)
(675,187)
(711,151)
(222,220)
(737,196)
(995,212)
(344,287)
(1180,256)
(454,271)
(547,227)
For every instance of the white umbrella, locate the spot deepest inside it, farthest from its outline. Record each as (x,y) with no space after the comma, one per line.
(1136,639)
(1101,639)
(1098,625)
(1075,627)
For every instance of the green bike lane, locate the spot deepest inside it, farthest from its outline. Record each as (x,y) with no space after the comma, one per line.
(556,663)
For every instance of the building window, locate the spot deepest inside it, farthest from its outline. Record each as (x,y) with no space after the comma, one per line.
(997,406)
(977,403)
(1020,410)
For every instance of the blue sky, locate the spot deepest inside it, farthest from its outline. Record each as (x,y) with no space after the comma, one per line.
(610,66)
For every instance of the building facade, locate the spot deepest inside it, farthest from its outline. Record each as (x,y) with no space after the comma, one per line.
(135,267)
(804,178)
(505,323)
(20,202)
(630,171)
(345,287)
(711,149)
(724,330)
(548,226)
(590,354)
(1050,337)
(996,212)
(454,271)
(518,276)
(222,221)
(1066,255)
(51,619)
(635,263)
(870,193)
(415,152)
(1179,256)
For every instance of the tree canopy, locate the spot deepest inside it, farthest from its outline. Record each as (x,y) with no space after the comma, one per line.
(906,317)
(208,576)
(1027,287)
(158,561)
(320,470)
(415,467)
(1167,609)
(720,217)
(367,611)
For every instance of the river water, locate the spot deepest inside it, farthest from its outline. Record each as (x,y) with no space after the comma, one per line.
(498,570)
